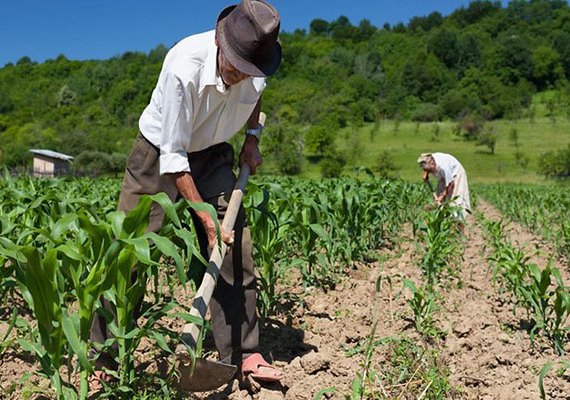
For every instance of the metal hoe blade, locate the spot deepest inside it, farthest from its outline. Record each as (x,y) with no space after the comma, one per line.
(207,375)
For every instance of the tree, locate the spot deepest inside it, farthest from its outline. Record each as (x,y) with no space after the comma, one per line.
(426,112)
(157,54)
(6,104)
(469,127)
(319,27)
(555,164)
(489,139)
(513,60)
(547,67)
(385,165)
(423,76)
(284,147)
(25,61)
(332,165)
(458,102)
(476,11)
(319,140)
(66,97)
(121,95)
(469,49)
(117,162)
(365,30)
(16,142)
(98,162)
(342,29)
(433,20)
(562,46)
(445,45)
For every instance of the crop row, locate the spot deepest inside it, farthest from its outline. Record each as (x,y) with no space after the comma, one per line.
(543,209)
(63,247)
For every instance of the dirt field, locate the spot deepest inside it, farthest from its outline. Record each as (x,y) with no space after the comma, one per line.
(319,338)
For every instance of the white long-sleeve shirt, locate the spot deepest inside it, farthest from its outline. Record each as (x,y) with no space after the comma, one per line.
(190,108)
(449,169)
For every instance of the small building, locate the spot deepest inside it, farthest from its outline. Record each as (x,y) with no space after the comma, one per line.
(48,163)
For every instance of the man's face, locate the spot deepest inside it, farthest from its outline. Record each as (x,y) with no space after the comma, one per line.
(430,166)
(230,75)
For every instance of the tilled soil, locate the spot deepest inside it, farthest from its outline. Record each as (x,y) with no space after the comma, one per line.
(317,335)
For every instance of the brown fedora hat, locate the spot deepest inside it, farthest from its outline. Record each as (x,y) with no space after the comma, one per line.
(248,35)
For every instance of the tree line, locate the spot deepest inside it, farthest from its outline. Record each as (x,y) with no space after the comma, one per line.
(482,62)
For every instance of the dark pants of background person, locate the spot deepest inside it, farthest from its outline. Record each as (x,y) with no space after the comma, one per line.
(232,308)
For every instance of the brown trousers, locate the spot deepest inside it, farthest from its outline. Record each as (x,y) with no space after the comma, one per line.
(234,318)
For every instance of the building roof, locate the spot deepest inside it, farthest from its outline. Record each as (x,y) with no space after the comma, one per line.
(52,154)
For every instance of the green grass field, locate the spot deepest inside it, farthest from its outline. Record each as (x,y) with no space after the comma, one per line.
(407,141)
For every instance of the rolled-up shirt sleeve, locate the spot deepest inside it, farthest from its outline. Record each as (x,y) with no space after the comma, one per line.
(176,131)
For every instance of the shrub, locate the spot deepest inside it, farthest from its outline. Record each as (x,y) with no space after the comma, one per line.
(284,147)
(469,127)
(426,112)
(385,165)
(555,164)
(332,165)
(488,138)
(98,162)
(319,140)
(455,103)
(289,158)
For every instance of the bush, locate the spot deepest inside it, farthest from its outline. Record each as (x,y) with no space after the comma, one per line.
(555,164)
(426,112)
(489,139)
(284,147)
(289,159)
(469,127)
(319,140)
(98,162)
(332,165)
(385,165)
(456,103)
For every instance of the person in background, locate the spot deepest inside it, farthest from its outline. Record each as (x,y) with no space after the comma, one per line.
(451,181)
(209,87)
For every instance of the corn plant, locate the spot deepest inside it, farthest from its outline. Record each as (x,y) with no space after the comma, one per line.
(510,266)
(550,304)
(495,231)
(309,230)
(564,240)
(125,293)
(7,281)
(564,366)
(439,237)
(269,238)
(422,303)
(557,325)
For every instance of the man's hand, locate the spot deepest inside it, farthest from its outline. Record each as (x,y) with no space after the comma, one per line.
(250,154)
(187,188)
(425,177)
(227,237)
